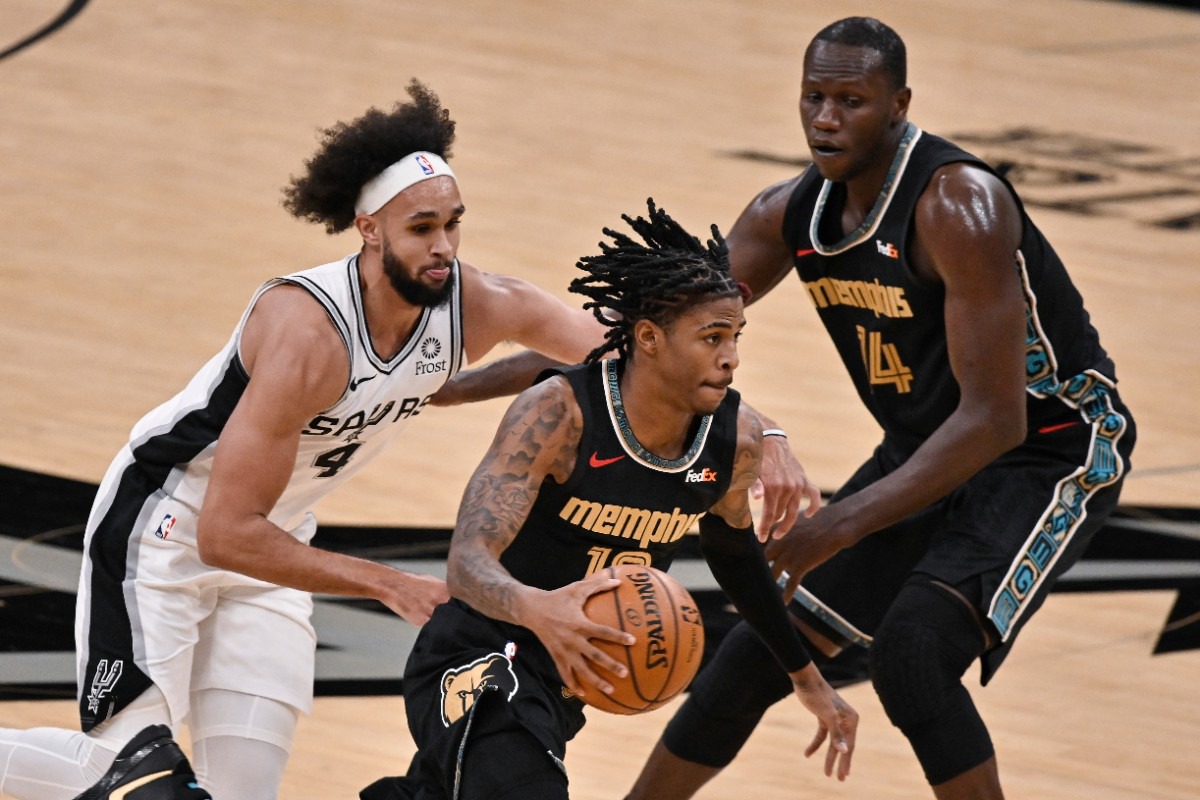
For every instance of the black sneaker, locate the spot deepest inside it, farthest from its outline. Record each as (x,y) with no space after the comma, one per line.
(150,767)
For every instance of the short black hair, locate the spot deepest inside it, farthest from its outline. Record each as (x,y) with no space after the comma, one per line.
(656,279)
(353,153)
(871,34)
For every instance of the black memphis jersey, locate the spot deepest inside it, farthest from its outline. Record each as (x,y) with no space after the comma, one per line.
(889,325)
(621,504)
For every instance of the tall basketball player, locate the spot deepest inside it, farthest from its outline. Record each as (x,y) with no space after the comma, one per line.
(1005,440)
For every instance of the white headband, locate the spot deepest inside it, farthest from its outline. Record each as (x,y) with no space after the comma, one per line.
(413,168)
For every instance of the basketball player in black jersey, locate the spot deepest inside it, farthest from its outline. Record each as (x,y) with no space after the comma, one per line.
(1005,442)
(493,682)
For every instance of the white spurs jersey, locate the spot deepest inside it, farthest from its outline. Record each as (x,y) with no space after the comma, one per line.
(173,445)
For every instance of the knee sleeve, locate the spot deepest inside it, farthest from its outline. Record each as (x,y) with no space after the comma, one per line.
(49,763)
(241,743)
(919,654)
(727,700)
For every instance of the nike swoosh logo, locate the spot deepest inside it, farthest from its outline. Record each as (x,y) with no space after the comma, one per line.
(802,253)
(597,461)
(1059,427)
(123,791)
(354,384)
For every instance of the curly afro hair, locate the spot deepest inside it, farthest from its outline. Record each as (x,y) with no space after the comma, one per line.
(353,153)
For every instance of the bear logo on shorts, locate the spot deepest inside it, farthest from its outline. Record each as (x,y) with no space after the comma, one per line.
(463,686)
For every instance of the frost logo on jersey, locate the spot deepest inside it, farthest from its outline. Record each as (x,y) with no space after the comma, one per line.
(103,682)
(463,686)
(705,475)
(164,527)
(430,348)
(887,249)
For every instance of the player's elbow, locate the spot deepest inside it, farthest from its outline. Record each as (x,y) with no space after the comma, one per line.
(212,545)
(456,576)
(1006,427)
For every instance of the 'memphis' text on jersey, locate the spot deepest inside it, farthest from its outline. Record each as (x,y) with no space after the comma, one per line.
(626,522)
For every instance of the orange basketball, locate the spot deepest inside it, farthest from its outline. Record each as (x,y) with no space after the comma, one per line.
(656,609)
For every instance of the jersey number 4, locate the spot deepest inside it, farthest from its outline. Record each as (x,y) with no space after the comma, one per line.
(883,362)
(331,462)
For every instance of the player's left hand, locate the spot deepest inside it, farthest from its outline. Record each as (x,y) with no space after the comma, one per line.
(836,720)
(783,487)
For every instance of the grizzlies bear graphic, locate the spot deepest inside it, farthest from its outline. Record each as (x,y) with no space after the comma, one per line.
(463,686)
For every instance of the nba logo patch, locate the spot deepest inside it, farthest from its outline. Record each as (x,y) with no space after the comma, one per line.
(424,164)
(164,527)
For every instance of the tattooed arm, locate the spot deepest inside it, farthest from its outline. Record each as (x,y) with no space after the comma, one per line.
(537,439)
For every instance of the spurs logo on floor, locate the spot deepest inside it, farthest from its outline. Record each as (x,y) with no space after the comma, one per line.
(103,682)
(463,686)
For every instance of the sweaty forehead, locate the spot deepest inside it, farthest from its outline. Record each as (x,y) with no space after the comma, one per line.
(832,61)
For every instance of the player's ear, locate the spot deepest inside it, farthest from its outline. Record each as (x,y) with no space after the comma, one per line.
(900,105)
(368,229)
(647,336)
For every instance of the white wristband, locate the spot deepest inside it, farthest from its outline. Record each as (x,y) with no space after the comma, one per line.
(774,432)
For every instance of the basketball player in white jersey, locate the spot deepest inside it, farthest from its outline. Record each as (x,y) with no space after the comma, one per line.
(194,598)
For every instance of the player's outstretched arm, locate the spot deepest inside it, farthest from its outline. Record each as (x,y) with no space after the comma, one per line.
(737,561)
(538,438)
(502,377)
(297,366)
(505,308)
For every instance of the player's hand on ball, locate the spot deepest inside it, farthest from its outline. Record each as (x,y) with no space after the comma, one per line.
(567,632)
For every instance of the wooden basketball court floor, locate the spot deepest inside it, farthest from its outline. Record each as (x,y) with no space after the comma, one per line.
(142,151)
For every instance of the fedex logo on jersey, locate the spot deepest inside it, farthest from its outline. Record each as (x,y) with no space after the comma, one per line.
(887,249)
(424,164)
(705,475)
(164,527)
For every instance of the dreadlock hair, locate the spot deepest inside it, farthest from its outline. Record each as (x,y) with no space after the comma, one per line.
(353,153)
(656,279)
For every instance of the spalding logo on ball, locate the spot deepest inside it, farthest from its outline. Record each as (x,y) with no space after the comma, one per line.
(656,609)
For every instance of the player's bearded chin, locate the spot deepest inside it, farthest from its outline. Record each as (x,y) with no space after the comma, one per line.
(410,288)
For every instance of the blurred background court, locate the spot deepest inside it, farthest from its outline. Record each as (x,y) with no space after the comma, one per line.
(143,146)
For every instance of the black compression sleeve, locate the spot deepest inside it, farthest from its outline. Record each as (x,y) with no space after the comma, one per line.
(740,567)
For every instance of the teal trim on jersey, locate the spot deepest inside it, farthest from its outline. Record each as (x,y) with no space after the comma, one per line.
(1091,394)
(617,406)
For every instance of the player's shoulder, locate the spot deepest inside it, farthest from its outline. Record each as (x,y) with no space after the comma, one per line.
(774,198)
(962,189)
(551,399)
(749,428)
(963,181)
